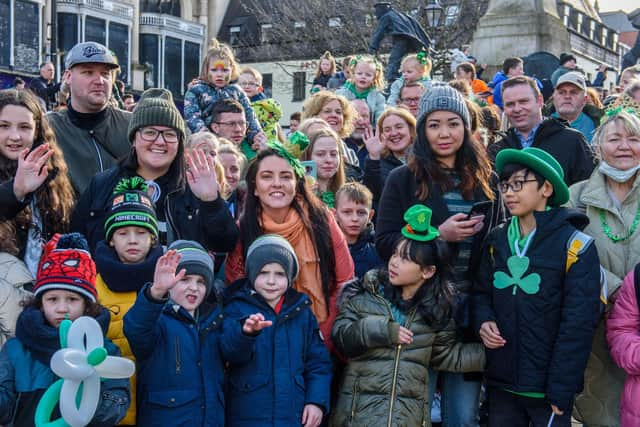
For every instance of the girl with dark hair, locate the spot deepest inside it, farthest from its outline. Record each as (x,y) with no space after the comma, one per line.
(393,325)
(279,201)
(36,196)
(183,186)
(448,172)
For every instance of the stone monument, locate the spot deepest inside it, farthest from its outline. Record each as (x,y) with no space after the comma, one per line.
(519,28)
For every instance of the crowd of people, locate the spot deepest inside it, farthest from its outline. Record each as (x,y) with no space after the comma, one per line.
(468,243)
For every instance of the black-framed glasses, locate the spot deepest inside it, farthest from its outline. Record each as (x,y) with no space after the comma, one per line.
(515,186)
(239,124)
(151,135)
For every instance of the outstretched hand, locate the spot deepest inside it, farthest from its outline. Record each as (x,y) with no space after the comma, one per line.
(165,277)
(255,323)
(32,170)
(372,142)
(201,175)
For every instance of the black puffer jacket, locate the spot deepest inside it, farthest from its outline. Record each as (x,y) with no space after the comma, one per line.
(566,145)
(548,332)
(209,223)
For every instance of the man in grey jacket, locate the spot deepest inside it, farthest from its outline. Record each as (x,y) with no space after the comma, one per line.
(91,133)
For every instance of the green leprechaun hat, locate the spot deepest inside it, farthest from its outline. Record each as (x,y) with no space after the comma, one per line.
(419,228)
(541,162)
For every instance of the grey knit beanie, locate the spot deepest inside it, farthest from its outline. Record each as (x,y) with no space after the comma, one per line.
(444,98)
(195,259)
(267,249)
(156,107)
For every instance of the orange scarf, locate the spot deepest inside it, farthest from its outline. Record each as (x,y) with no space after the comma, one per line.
(309,280)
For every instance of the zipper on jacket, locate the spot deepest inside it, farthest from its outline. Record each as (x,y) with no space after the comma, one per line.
(393,384)
(354,398)
(174,230)
(177,350)
(95,145)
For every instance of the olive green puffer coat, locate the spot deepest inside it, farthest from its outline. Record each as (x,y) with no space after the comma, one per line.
(386,383)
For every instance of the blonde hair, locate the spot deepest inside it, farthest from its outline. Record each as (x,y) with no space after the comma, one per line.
(198,137)
(630,123)
(425,69)
(313,106)
(405,115)
(339,178)
(306,125)
(326,55)
(228,147)
(253,73)
(378,78)
(221,51)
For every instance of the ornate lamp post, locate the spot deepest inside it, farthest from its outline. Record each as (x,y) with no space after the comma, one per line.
(433,12)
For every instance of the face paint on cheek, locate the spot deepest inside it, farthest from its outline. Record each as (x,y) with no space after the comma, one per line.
(220,65)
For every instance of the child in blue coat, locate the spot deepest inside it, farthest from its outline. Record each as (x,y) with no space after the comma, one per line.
(175,336)
(287,381)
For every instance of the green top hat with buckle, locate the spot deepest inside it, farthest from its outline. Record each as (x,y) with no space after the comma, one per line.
(541,162)
(419,228)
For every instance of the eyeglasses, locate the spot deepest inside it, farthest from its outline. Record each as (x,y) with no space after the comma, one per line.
(249,84)
(239,124)
(151,135)
(515,186)
(410,100)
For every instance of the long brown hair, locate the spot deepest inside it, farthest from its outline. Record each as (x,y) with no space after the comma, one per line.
(472,164)
(55,198)
(310,209)
(339,178)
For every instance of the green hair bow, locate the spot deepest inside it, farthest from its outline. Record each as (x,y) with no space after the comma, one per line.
(293,161)
(422,57)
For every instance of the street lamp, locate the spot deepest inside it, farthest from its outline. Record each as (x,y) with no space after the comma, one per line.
(433,11)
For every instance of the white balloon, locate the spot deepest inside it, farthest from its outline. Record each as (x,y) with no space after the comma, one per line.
(70,364)
(79,416)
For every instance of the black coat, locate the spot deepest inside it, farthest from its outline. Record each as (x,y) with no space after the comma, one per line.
(566,145)
(209,223)
(45,90)
(376,173)
(549,333)
(396,23)
(399,194)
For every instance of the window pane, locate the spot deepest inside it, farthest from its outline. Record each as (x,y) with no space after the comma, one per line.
(149,57)
(299,83)
(172,65)
(119,44)
(67,31)
(27,37)
(267,84)
(5,32)
(95,30)
(191,62)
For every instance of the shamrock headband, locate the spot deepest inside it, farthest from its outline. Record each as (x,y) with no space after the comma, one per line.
(281,151)
(419,228)
(422,57)
(358,58)
(626,104)
(296,143)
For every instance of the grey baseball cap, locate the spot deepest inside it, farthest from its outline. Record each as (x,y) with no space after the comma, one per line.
(574,78)
(90,52)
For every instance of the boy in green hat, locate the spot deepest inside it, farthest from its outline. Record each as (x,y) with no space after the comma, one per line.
(536,296)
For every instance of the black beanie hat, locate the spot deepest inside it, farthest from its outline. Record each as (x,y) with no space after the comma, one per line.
(566,57)
(130,206)
(156,107)
(267,249)
(195,259)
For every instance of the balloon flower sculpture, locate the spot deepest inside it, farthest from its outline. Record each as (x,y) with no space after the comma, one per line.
(80,363)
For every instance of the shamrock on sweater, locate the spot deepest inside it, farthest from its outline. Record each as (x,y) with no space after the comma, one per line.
(517,268)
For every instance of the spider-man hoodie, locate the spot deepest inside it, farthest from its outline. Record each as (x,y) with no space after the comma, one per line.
(25,373)
(548,328)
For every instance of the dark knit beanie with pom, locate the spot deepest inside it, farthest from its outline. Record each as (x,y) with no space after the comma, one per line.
(131,206)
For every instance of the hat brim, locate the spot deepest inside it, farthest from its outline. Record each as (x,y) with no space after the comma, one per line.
(432,233)
(112,65)
(560,194)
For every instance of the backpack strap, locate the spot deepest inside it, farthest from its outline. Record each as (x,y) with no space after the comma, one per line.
(577,244)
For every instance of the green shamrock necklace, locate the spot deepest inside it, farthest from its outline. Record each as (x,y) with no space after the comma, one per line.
(518,264)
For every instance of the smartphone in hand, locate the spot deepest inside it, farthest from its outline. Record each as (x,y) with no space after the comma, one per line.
(480,209)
